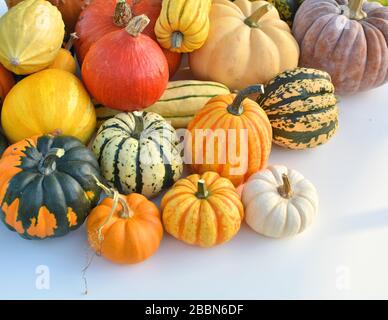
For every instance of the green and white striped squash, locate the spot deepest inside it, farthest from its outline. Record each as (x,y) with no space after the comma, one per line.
(138,152)
(180,102)
(301,107)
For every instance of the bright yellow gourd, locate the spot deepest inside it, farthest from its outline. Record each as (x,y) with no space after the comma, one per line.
(183,25)
(48,101)
(31,34)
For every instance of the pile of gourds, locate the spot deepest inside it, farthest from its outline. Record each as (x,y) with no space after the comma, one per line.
(254,77)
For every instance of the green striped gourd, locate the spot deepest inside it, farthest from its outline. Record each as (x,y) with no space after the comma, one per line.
(138,152)
(179,103)
(301,107)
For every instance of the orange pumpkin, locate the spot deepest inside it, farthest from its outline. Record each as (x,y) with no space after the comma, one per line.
(131,234)
(7,81)
(231,135)
(202,210)
(64,59)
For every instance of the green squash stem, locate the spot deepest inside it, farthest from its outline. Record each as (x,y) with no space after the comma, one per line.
(123,14)
(69,44)
(126,213)
(236,107)
(202,192)
(176,39)
(355,10)
(253,20)
(137,25)
(47,165)
(285,190)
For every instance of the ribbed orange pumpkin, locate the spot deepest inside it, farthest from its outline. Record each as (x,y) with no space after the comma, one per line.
(131,235)
(202,210)
(6,82)
(231,135)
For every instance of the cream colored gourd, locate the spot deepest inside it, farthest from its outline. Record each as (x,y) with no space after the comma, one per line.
(279,202)
(247,44)
(31,35)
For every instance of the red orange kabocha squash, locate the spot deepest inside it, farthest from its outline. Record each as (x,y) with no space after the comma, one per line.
(347,39)
(104,16)
(126,70)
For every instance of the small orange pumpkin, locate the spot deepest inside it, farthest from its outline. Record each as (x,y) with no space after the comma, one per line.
(230,135)
(131,234)
(7,81)
(64,59)
(202,210)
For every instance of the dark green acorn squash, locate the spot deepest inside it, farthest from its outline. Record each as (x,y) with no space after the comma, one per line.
(301,107)
(47,186)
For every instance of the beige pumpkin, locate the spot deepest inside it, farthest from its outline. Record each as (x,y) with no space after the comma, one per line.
(247,44)
(279,202)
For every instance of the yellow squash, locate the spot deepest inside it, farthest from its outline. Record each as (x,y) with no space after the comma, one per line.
(31,34)
(48,101)
(183,25)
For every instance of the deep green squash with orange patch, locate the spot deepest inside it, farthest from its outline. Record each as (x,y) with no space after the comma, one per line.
(47,186)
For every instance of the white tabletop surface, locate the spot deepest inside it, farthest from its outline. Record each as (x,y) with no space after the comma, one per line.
(343,255)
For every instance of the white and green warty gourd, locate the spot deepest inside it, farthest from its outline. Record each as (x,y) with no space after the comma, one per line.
(138,152)
(279,202)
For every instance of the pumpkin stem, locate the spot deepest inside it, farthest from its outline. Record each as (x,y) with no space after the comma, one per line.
(176,39)
(47,164)
(139,128)
(236,107)
(69,44)
(112,193)
(123,13)
(355,10)
(285,190)
(137,25)
(253,20)
(202,192)
(127,212)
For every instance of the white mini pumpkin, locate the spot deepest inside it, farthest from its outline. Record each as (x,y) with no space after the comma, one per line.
(279,202)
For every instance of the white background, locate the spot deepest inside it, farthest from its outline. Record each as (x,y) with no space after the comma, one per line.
(343,255)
